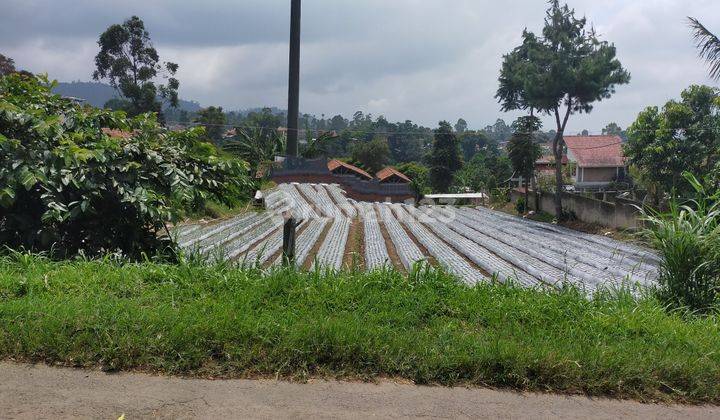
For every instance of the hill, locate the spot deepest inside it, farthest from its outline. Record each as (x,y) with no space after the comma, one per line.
(97,94)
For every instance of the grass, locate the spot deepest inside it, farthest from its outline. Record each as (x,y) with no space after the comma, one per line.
(217,321)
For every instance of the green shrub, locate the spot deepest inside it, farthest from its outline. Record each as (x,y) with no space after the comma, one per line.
(77,179)
(688,238)
(520,205)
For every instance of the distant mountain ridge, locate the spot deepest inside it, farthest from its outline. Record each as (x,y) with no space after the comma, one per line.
(97,94)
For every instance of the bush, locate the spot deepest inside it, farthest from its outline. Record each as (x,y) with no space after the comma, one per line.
(77,179)
(688,238)
(520,205)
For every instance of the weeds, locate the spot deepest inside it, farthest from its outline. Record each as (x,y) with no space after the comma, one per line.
(205,319)
(688,239)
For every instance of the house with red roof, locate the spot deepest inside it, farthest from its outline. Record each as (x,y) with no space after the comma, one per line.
(598,160)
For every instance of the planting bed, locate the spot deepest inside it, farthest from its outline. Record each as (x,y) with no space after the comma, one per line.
(476,244)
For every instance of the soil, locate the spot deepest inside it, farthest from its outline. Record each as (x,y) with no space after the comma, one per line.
(39,391)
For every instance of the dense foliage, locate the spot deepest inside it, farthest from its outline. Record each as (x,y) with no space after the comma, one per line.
(372,155)
(77,179)
(445,158)
(213,119)
(682,136)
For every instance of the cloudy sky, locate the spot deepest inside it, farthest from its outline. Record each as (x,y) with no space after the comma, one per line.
(423,60)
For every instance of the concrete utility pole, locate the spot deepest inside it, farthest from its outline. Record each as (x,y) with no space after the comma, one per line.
(294,80)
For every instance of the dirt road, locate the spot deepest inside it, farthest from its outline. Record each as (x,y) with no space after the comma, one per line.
(37,391)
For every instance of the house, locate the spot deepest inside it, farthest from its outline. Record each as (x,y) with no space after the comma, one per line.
(546,164)
(391,175)
(339,167)
(598,160)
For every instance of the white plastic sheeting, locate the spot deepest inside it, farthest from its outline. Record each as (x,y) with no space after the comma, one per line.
(306,241)
(340,199)
(406,249)
(300,208)
(320,201)
(376,253)
(332,250)
(460,239)
(443,254)
(198,238)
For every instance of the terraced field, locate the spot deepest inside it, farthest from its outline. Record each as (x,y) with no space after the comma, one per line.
(476,244)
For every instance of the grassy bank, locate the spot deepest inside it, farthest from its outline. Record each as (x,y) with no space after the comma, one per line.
(215,321)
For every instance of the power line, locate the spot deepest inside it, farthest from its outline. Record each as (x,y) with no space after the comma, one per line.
(420,130)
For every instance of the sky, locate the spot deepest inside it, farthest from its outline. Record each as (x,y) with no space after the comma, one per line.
(422,60)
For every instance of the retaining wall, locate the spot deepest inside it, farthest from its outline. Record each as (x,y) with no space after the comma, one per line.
(619,213)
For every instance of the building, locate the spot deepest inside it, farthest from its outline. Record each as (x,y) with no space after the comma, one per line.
(546,164)
(339,167)
(391,175)
(597,160)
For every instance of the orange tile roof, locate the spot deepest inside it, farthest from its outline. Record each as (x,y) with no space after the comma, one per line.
(596,151)
(390,171)
(550,159)
(335,164)
(120,134)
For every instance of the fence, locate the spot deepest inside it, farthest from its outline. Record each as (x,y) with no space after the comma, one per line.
(619,213)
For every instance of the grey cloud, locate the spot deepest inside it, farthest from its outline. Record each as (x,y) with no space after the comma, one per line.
(423,60)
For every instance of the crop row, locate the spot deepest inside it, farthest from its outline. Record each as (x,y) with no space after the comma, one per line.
(376,253)
(615,264)
(407,251)
(332,250)
(472,243)
(443,254)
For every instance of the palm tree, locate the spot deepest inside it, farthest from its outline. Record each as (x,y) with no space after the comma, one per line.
(709,46)
(256,146)
(317,147)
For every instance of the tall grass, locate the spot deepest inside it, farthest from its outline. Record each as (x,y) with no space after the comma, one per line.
(688,239)
(216,320)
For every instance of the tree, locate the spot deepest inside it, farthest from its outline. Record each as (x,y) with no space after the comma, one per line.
(498,132)
(682,136)
(613,129)
(523,151)
(129,62)
(7,65)
(461,126)
(213,119)
(317,146)
(709,46)
(95,181)
(418,175)
(560,73)
(445,158)
(472,142)
(256,146)
(473,176)
(372,155)
(338,123)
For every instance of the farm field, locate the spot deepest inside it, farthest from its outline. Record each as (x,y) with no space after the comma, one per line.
(475,244)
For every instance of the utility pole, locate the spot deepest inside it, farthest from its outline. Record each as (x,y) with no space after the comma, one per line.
(294,80)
